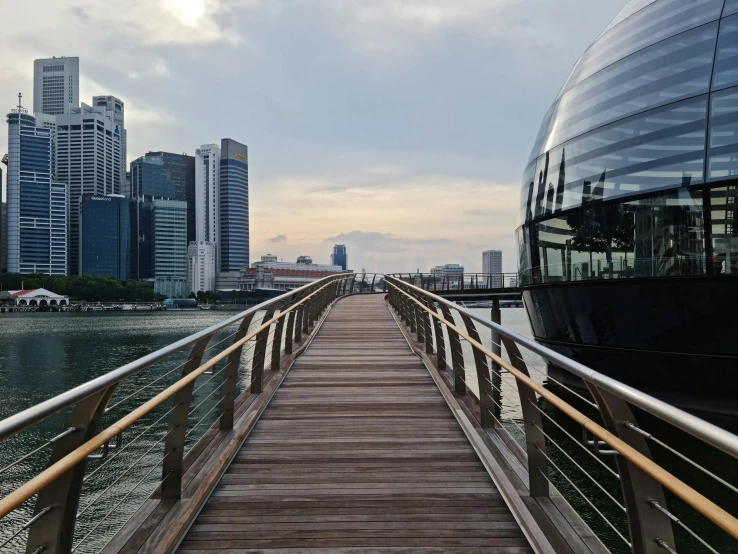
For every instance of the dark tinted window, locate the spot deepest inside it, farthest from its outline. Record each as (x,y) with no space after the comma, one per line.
(723,156)
(726,60)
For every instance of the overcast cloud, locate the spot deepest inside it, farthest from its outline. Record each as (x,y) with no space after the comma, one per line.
(400,127)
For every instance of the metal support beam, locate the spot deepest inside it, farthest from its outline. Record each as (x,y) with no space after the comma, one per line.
(486,406)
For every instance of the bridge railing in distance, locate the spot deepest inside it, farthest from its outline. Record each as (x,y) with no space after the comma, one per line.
(460,282)
(97,451)
(594,444)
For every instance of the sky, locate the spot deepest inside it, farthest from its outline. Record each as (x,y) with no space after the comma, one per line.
(397,127)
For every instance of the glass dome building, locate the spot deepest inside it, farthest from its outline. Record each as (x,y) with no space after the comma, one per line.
(628,220)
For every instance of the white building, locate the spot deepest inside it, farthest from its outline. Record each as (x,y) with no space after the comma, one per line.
(55,85)
(492,265)
(35,297)
(88,159)
(201,266)
(452,272)
(207,206)
(116,106)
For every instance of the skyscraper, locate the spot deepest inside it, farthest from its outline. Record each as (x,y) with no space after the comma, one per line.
(149,180)
(87,159)
(37,206)
(181,168)
(55,85)
(105,238)
(201,266)
(117,108)
(340,256)
(492,264)
(234,213)
(169,247)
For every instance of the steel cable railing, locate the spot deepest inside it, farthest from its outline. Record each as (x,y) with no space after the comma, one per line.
(416,307)
(237,364)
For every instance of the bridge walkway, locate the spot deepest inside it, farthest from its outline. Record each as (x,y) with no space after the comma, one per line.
(356,450)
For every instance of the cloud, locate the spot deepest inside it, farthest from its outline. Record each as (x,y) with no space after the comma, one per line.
(278,239)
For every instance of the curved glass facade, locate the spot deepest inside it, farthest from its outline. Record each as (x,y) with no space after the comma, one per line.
(634,172)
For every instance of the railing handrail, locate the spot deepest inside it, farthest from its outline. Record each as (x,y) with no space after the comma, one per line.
(38,412)
(690,496)
(703,430)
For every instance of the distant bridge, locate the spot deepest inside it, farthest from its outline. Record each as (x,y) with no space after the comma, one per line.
(357,415)
(467,286)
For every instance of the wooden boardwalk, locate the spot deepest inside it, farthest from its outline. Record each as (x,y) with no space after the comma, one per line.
(357,451)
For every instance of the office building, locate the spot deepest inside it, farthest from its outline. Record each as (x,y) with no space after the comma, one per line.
(37,206)
(492,265)
(181,168)
(628,234)
(340,256)
(88,158)
(269,274)
(149,181)
(4,236)
(222,207)
(201,266)
(169,247)
(105,237)
(450,272)
(55,85)
(117,108)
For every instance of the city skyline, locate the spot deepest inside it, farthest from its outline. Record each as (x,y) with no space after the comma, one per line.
(363,155)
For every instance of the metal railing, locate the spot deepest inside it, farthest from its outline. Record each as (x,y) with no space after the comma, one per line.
(92,471)
(461,281)
(609,473)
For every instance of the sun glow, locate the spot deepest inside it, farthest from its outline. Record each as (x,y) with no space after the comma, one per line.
(188,11)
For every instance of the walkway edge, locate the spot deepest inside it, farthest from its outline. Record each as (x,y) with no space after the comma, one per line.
(519,510)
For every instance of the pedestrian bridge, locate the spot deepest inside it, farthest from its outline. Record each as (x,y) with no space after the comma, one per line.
(348,417)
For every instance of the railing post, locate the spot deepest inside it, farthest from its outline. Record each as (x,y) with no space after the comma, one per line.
(371,289)
(277,337)
(291,329)
(457,354)
(230,377)
(440,340)
(645,523)
(171,473)
(496,339)
(486,406)
(427,332)
(535,441)
(56,532)
(308,307)
(260,353)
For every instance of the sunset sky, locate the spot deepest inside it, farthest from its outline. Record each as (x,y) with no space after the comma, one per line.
(400,128)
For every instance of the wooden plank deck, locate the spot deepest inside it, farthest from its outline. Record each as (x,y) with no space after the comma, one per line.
(357,451)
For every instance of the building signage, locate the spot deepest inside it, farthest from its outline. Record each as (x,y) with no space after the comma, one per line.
(239,157)
(105,198)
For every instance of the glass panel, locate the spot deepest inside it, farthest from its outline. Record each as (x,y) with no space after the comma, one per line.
(526,193)
(726,60)
(731,7)
(631,7)
(669,71)
(650,25)
(675,233)
(661,148)
(723,155)
(542,133)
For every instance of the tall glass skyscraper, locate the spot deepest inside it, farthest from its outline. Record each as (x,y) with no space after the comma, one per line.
(105,238)
(181,168)
(340,256)
(234,212)
(169,247)
(37,206)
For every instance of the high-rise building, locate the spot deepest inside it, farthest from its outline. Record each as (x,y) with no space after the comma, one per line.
(3,228)
(105,238)
(88,144)
(234,212)
(181,168)
(149,181)
(222,207)
(201,266)
(37,206)
(492,265)
(55,85)
(169,247)
(117,108)
(340,256)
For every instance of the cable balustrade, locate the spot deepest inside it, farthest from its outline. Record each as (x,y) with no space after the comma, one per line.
(214,379)
(460,282)
(638,488)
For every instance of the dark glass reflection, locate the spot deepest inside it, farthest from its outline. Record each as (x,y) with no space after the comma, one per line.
(723,155)
(731,7)
(682,232)
(726,58)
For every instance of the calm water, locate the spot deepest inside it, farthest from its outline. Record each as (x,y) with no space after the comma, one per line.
(44,354)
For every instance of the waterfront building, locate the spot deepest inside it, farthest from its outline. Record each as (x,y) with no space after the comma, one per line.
(269,274)
(105,237)
(628,228)
(492,265)
(221,207)
(201,266)
(149,181)
(117,108)
(55,85)
(34,298)
(181,168)
(451,272)
(340,256)
(37,206)
(88,158)
(169,247)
